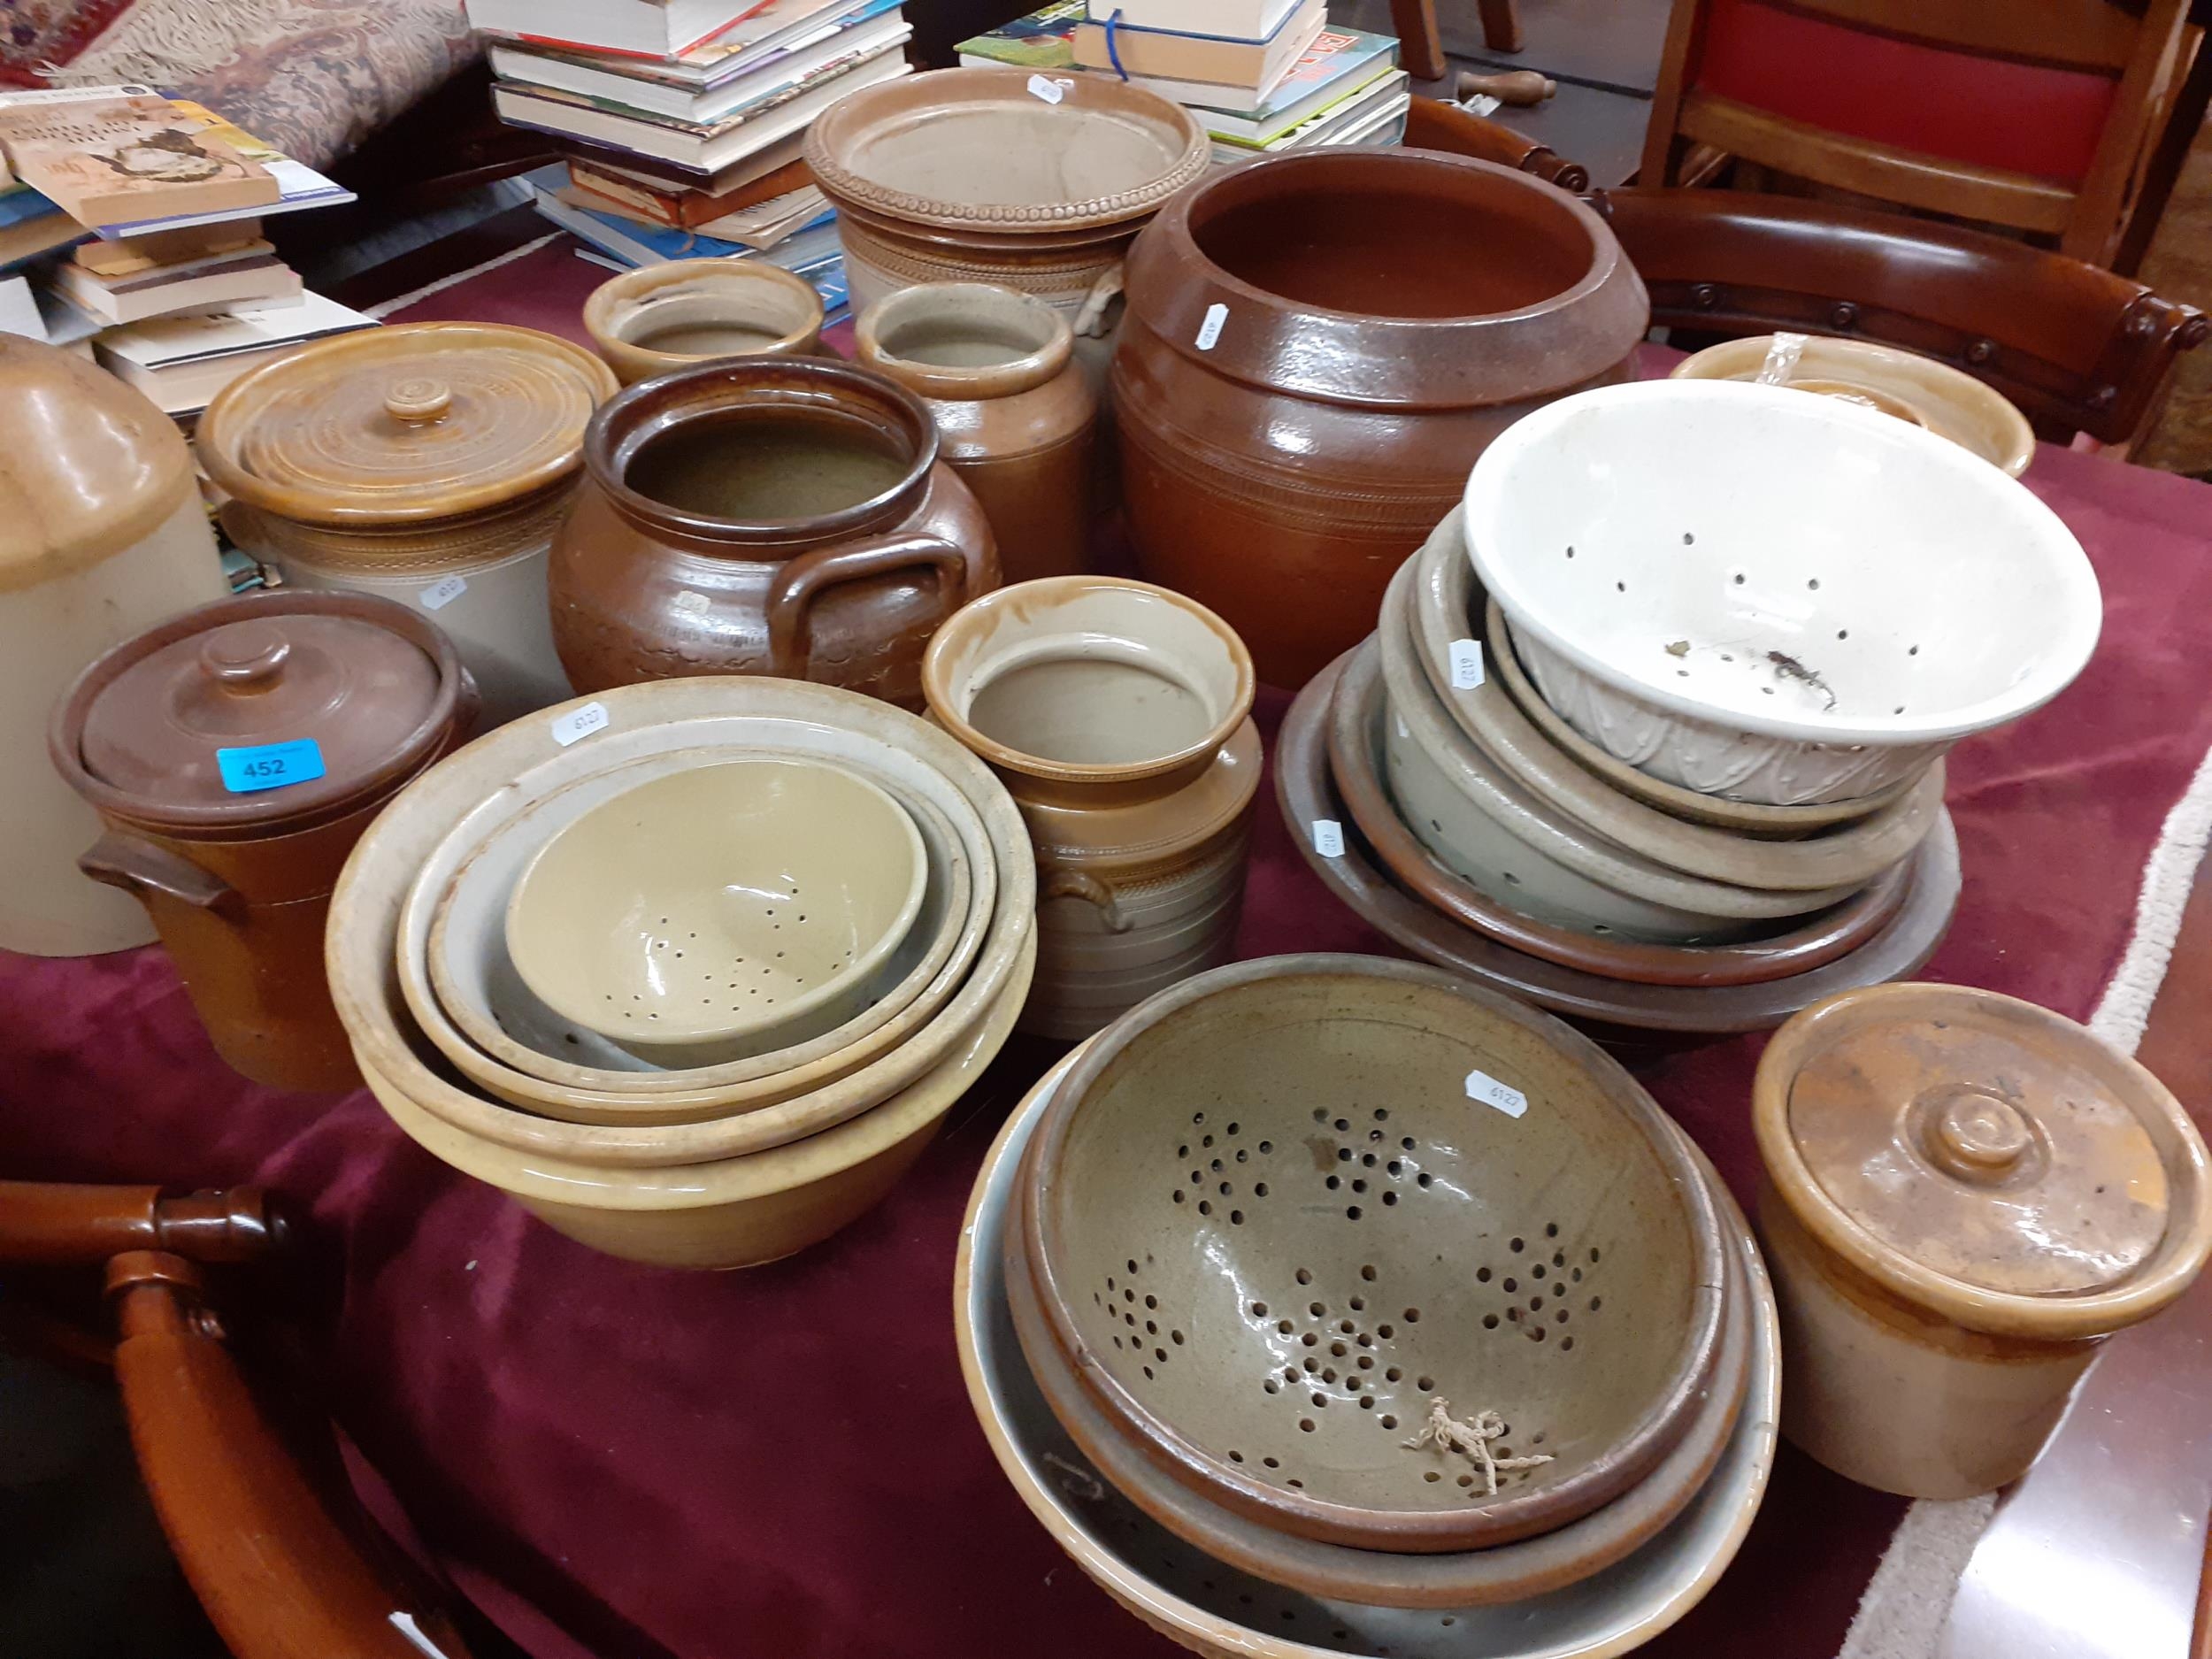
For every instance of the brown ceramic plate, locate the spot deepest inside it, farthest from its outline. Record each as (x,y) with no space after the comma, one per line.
(1307,794)
(1355,714)
(1280,1215)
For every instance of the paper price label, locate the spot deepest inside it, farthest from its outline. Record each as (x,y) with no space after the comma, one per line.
(269,765)
(439,594)
(1209,330)
(1466,664)
(1482,104)
(1050,91)
(1328,838)
(1482,1087)
(579,723)
(1404,731)
(692,604)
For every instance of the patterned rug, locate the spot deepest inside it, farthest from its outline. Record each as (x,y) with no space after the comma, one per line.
(40,32)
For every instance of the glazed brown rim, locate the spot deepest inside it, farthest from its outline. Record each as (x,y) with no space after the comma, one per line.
(1354,708)
(1101,93)
(215,443)
(634,283)
(1304,792)
(939,697)
(1503,1519)
(640,412)
(1006,379)
(456,695)
(2182,1250)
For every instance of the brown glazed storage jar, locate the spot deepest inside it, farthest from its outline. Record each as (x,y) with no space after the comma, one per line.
(1317,347)
(427,463)
(765,516)
(1963,1195)
(1015,415)
(234,755)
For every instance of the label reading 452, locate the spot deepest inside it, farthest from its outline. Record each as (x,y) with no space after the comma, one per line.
(270,765)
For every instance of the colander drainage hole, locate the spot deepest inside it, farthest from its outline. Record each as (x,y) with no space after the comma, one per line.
(1387,1421)
(1271,1462)
(1489,1321)
(1305,1425)
(1424,1383)
(1304,1277)
(1482,1275)
(1259,1310)
(1368,1273)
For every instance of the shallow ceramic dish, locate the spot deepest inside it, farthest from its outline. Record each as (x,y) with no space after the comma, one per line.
(732,1212)
(1480,1578)
(1467,810)
(1307,796)
(503,1028)
(1354,739)
(1979,418)
(1746,818)
(1215,1610)
(421,839)
(1224,1154)
(1754,593)
(713,913)
(1434,608)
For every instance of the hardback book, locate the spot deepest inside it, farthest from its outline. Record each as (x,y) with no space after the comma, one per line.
(112,155)
(1248,66)
(754,228)
(684,209)
(181,362)
(706,148)
(668,175)
(1339,63)
(730,102)
(636,244)
(299,185)
(1233,20)
(131,254)
(1358,109)
(252,276)
(649,28)
(19,202)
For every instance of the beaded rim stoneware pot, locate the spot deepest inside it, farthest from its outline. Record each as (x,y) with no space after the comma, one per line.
(1294,414)
(672,316)
(787,517)
(1182,1142)
(1356,716)
(1308,799)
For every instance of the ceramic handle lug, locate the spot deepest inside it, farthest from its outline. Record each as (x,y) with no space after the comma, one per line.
(804,579)
(141,869)
(1075,884)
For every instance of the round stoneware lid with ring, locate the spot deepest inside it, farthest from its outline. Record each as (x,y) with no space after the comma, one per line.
(1985,1143)
(261,708)
(395,425)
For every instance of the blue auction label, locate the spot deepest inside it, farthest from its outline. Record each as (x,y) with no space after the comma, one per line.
(270,765)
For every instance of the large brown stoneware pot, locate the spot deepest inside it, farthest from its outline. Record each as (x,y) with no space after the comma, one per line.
(1317,347)
(765,516)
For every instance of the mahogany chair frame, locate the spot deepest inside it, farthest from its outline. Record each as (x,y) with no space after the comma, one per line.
(2146,48)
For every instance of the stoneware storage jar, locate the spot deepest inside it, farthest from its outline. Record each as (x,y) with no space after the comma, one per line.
(1118,716)
(1963,1195)
(1015,415)
(970,175)
(235,754)
(686,311)
(765,516)
(429,464)
(102,533)
(1296,412)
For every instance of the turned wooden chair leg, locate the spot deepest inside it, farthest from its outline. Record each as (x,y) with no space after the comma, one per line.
(1500,24)
(1419,46)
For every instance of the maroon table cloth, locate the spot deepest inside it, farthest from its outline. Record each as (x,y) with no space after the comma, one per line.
(623,1462)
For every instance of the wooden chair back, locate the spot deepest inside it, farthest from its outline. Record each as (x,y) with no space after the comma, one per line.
(2040,115)
(1433,124)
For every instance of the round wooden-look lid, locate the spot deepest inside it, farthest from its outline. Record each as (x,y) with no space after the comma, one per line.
(395,425)
(199,722)
(1952,1137)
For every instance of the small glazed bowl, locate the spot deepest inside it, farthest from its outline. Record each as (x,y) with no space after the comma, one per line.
(1749,592)
(675,316)
(1213,1609)
(1950,404)
(1356,716)
(717,912)
(1560,1265)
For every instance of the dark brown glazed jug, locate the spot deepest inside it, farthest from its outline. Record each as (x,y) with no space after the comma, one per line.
(1317,347)
(189,742)
(765,516)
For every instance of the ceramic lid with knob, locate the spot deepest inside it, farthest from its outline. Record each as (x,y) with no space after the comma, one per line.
(1985,1158)
(399,425)
(260,709)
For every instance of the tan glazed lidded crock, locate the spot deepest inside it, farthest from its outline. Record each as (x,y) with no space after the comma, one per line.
(1965,1193)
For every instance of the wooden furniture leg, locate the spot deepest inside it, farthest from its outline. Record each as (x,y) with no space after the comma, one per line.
(1500,24)
(1419,46)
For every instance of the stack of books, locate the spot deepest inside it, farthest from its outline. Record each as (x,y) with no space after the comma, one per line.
(682,120)
(1261,76)
(148,211)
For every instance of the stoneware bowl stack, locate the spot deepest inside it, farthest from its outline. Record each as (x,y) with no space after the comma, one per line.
(1330,1304)
(693,969)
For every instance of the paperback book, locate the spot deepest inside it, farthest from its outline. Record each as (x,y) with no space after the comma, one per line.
(113,155)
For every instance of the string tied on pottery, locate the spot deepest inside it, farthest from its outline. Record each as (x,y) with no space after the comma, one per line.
(1447,1433)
